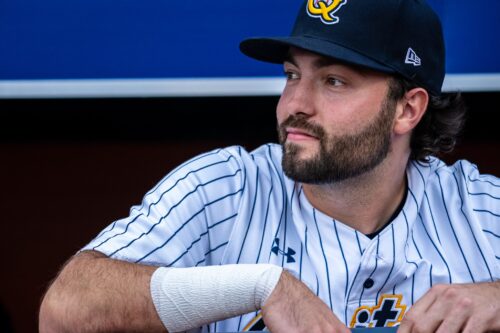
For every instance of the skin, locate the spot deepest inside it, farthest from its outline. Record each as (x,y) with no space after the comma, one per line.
(463,308)
(94,293)
(343,99)
(292,307)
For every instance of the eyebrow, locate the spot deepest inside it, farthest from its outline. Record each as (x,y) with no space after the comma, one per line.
(324,61)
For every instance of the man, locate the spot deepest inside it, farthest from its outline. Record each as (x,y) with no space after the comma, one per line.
(349,223)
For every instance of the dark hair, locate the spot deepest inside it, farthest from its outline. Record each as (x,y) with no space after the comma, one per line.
(438,130)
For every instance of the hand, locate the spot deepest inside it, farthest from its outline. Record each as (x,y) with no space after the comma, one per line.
(464,308)
(292,307)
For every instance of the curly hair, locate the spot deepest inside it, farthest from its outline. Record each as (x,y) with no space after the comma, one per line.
(438,130)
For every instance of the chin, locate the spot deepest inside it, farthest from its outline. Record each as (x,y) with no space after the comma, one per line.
(302,150)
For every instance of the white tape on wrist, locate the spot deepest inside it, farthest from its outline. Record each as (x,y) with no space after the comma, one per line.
(187,298)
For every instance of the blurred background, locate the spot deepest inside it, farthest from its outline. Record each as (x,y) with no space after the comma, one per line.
(100,99)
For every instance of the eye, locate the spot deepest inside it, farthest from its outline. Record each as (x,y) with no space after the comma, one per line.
(333,81)
(290,75)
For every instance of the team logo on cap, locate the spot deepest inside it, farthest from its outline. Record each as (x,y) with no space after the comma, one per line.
(324,9)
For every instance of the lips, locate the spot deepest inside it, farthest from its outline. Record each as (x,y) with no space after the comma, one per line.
(297,134)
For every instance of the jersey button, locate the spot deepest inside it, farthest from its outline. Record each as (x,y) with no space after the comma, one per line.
(368,283)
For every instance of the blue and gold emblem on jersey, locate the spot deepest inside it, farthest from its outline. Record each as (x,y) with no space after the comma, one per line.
(387,313)
(324,9)
(256,324)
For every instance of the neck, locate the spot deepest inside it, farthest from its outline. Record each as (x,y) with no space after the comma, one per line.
(366,202)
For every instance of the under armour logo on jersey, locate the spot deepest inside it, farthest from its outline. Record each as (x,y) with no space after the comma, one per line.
(388,312)
(324,9)
(412,58)
(276,249)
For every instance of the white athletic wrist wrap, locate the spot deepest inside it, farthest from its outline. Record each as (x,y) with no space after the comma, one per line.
(187,298)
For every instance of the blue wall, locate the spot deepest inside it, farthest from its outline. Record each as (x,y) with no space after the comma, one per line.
(58,39)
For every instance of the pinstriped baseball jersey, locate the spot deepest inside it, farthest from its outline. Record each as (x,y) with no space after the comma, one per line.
(231,206)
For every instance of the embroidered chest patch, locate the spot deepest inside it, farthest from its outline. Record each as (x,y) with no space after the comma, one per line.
(387,313)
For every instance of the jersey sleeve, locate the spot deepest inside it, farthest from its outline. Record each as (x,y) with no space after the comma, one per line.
(185,220)
(483,192)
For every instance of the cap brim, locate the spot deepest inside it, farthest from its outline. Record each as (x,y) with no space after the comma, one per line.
(275,50)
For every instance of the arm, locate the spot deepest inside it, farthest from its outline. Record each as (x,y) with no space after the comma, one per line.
(472,307)
(292,307)
(468,307)
(95,293)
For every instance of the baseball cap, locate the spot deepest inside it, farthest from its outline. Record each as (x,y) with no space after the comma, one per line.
(391,36)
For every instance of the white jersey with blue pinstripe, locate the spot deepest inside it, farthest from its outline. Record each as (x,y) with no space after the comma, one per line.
(231,206)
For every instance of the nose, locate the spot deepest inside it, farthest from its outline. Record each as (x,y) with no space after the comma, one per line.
(297,98)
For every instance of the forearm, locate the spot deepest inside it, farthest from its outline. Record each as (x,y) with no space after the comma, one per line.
(187,298)
(94,293)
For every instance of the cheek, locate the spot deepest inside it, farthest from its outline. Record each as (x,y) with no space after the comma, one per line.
(281,113)
(356,114)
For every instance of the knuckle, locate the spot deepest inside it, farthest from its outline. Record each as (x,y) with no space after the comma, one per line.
(450,293)
(464,303)
(439,288)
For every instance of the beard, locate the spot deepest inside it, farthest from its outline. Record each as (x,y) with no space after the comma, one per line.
(339,157)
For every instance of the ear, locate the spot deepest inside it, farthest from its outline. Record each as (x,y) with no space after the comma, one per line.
(410,110)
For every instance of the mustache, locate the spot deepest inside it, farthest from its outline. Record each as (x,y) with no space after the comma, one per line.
(300,122)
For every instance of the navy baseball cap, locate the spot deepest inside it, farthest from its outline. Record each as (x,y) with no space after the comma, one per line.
(391,36)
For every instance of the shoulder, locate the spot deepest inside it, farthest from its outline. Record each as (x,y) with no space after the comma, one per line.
(474,179)
(266,158)
(461,180)
(467,178)
(262,155)
(234,161)
(461,172)
(232,157)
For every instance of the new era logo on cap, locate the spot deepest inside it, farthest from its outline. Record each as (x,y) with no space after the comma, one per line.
(412,58)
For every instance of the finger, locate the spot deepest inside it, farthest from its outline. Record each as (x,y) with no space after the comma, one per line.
(426,301)
(457,317)
(418,311)
(448,311)
(472,326)
(343,329)
(428,321)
